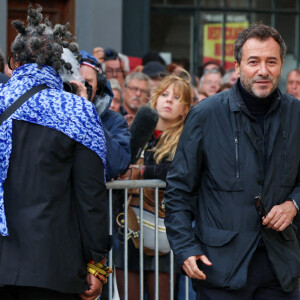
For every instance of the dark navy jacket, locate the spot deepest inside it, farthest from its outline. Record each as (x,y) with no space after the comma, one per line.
(117,136)
(217,171)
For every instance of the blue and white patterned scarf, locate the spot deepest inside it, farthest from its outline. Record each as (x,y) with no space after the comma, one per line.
(53,108)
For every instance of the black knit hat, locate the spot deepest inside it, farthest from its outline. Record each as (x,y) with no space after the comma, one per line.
(155,69)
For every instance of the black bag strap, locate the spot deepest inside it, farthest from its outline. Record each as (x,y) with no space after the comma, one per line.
(11,109)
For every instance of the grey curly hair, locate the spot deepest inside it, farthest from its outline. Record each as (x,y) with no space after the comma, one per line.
(41,43)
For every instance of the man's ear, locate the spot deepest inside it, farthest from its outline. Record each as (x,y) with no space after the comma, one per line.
(237,68)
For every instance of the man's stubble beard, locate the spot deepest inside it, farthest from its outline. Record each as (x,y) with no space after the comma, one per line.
(248,85)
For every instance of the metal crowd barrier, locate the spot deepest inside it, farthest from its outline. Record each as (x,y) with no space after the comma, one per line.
(141,184)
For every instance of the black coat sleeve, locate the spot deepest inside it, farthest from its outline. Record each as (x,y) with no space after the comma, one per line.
(117,137)
(156,171)
(181,193)
(91,203)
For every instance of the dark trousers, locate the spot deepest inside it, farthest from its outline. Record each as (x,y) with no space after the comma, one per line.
(262,284)
(32,293)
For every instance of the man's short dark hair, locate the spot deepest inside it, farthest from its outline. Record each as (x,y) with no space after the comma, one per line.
(111,54)
(261,32)
(40,43)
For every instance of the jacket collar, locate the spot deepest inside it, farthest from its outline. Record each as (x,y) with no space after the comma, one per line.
(235,98)
(237,103)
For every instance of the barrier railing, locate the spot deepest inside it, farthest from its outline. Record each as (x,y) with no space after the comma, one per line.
(140,184)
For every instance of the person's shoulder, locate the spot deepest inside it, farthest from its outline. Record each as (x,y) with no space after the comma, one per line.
(3,78)
(114,115)
(290,100)
(71,103)
(114,118)
(213,103)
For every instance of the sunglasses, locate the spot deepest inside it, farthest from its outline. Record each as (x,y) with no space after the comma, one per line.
(260,208)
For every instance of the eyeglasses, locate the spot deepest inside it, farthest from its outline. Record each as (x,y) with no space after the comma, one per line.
(212,70)
(210,82)
(135,89)
(260,208)
(110,71)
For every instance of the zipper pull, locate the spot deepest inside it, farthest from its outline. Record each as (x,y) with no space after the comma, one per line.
(236,146)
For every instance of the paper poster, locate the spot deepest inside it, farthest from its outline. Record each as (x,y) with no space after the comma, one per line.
(212,44)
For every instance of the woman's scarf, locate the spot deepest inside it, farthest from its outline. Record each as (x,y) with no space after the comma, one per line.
(72,115)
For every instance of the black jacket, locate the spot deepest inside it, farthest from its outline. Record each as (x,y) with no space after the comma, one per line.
(152,169)
(223,161)
(56,209)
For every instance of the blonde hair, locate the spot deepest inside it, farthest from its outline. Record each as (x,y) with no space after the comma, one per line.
(167,144)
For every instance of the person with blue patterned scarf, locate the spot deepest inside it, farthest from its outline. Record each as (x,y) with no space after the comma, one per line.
(53,206)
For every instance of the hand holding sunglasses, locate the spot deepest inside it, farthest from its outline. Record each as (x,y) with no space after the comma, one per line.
(260,208)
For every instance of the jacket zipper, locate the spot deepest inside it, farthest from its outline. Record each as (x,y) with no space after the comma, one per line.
(284,148)
(236,143)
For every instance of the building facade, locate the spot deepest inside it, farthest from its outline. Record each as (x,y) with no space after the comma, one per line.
(197,30)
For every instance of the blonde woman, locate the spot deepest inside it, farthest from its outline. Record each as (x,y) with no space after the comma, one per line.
(172,100)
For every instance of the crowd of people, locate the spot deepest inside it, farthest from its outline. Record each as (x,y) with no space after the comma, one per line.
(72,133)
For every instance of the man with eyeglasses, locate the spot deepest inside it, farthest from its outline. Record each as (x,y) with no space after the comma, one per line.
(135,94)
(114,66)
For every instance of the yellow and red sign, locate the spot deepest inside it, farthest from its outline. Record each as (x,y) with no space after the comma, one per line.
(212,44)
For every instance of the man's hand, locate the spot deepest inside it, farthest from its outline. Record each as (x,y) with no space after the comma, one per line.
(95,288)
(280,216)
(190,266)
(81,88)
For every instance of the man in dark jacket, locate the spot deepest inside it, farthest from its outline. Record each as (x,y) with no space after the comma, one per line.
(236,171)
(115,127)
(53,206)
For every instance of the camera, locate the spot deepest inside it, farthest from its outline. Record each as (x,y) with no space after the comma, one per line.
(69,87)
